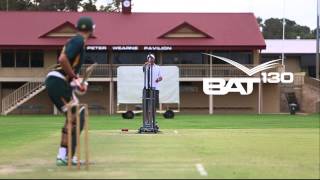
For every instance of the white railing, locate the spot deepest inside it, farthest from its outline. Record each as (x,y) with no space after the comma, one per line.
(298,79)
(106,70)
(19,95)
(24,93)
(186,70)
(203,70)
(298,82)
(101,70)
(312,82)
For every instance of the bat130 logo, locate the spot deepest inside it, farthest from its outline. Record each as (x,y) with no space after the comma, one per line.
(244,86)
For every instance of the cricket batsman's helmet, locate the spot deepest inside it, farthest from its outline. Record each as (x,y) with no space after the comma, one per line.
(85,23)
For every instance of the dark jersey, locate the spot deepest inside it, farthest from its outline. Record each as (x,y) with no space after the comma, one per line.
(74,50)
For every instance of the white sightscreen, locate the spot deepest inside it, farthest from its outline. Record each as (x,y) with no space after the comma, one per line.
(130,84)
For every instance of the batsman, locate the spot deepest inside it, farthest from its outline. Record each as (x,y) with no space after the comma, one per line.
(63,83)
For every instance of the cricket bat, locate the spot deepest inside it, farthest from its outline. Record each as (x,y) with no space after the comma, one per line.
(88,72)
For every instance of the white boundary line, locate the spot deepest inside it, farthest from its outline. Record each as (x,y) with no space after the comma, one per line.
(201,169)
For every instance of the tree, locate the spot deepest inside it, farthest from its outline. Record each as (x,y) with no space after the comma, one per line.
(57,5)
(260,21)
(89,6)
(16,5)
(72,5)
(114,6)
(50,5)
(272,29)
(314,33)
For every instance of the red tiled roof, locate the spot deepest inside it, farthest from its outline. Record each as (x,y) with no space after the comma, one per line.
(65,24)
(226,29)
(187,25)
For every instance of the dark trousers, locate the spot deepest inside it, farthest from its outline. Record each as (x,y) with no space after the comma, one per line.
(59,91)
(157,99)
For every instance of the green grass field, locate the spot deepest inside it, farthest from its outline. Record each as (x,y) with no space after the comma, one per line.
(228,146)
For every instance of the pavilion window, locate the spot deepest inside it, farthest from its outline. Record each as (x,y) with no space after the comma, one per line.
(269,57)
(22,58)
(183,57)
(36,58)
(137,57)
(242,57)
(7,58)
(99,57)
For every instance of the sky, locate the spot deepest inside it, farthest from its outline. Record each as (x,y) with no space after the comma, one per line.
(304,12)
